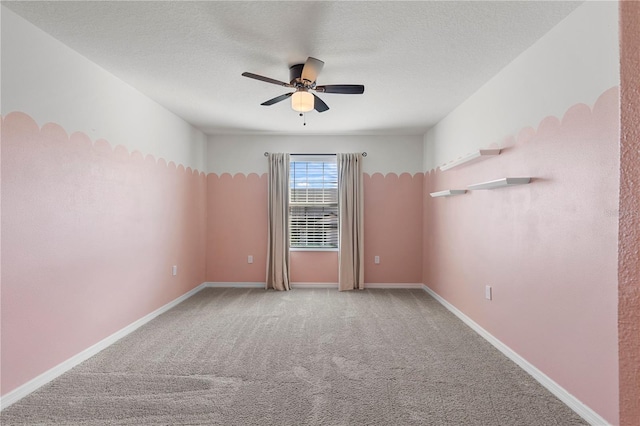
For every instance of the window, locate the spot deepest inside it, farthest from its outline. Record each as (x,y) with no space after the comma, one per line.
(313,202)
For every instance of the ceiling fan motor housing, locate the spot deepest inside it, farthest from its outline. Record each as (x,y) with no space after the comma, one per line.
(295,74)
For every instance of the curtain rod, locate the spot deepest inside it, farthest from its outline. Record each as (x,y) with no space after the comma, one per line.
(266,154)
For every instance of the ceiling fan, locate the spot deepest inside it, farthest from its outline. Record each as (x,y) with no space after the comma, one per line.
(303,80)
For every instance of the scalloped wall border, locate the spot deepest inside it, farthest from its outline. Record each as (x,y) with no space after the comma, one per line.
(252,175)
(102,146)
(548,122)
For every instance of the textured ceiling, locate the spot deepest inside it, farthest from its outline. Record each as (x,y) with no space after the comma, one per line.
(418,60)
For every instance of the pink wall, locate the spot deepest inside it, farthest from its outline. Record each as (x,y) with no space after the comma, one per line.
(237,218)
(548,249)
(393,228)
(236,227)
(629,214)
(89,235)
(314,267)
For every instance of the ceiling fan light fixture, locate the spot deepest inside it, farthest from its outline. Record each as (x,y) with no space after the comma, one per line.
(303,80)
(302,101)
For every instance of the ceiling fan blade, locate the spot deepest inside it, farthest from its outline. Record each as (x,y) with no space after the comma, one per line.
(311,69)
(266,79)
(319,105)
(347,89)
(277,99)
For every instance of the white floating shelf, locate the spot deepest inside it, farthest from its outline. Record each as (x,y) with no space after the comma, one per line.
(470,157)
(499,183)
(448,193)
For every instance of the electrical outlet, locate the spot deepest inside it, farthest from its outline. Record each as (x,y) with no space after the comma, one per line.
(174,270)
(376,260)
(487,292)
(250,259)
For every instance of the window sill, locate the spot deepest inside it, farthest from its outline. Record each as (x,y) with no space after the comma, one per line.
(313,249)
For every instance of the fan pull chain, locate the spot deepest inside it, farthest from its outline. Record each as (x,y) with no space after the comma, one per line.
(304,118)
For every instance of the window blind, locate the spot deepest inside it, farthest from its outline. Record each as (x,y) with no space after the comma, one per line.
(313,202)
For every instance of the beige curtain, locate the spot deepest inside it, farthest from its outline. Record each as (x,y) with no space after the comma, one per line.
(278,216)
(351,240)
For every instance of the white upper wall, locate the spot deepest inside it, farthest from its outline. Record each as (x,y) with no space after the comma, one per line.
(52,83)
(573,63)
(245,154)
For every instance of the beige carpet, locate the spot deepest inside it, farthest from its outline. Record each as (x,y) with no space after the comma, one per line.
(304,357)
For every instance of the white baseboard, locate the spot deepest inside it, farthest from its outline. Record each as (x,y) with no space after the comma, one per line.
(314,285)
(234,285)
(571,401)
(394,285)
(366,285)
(310,285)
(262,285)
(44,378)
